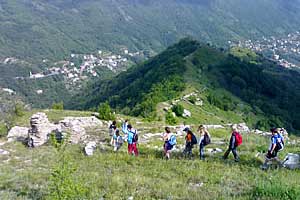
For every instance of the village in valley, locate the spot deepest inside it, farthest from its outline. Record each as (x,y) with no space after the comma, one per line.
(283,50)
(80,67)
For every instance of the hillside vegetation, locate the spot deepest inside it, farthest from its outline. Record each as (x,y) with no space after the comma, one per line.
(41,29)
(262,93)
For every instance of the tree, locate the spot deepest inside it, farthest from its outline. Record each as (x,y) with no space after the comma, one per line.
(170,119)
(105,112)
(178,110)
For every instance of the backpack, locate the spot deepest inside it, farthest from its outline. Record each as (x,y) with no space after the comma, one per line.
(206,139)
(238,139)
(135,137)
(194,139)
(172,140)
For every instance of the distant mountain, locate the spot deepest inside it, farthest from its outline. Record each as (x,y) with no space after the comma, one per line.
(238,81)
(39,29)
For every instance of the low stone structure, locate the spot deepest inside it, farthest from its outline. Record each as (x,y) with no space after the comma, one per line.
(18,133)
(40,129)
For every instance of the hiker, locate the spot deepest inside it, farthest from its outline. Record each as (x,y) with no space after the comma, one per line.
(204,140)
(169,142)
(276,145)
(190,141)
(112,128)
(235,141)
(117,140)
(132,139)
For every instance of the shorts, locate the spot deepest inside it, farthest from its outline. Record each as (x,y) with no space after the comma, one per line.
(168,147)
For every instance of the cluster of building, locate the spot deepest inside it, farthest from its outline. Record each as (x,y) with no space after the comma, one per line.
(81,66)
(284,50)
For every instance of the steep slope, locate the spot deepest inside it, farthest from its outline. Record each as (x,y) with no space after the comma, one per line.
(262,93)
(39,29)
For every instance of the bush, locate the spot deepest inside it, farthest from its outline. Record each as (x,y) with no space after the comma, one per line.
(58,106)
(105,112)
(3,129)
(19,110)
(192,99)
(178,110)
(170,119)
(63,184)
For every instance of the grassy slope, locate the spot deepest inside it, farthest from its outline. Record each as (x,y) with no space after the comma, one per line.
(25,173)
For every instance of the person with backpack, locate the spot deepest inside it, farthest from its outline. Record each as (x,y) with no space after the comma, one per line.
(112,128)
(169,142)
(276,145)
(132,139)
(117,140)
(235,141)
(204,140)
(190,141)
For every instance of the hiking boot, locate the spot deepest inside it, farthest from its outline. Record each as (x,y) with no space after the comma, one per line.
(237,159)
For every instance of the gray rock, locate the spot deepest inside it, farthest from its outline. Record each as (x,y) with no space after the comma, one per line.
(186,113)
(3,152)
(40,129)
(292,161)
(90,148)
(18,133)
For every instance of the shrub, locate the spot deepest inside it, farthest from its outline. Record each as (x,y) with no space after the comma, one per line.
(19,110)
(105,112)
(58,106)
(3,129)
(62,184)
(178,110)
(170,119)
(192,99)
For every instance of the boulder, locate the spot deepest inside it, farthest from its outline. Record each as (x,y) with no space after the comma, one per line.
(3,152)
(90,148)
(292,161)
(40,129)
(243,128)
(18,133)
(186,113)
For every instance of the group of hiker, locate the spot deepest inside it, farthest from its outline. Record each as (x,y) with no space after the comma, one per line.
(169,139)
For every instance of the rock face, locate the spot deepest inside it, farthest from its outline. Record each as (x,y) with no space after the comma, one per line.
(76,127)
(18,133)
(292,161)
(40,129)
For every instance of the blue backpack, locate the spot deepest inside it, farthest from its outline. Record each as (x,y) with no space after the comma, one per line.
(172,140)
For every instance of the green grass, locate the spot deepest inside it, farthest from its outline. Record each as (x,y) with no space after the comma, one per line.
(112,175)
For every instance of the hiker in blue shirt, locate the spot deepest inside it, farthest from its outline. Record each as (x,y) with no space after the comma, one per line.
(276,145)
(132,138)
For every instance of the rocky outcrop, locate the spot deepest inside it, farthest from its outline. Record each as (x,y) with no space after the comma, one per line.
(76,127)
(18,133)
(40,129)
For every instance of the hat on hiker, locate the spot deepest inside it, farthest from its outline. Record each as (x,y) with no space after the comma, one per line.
(186,129)
(129,126)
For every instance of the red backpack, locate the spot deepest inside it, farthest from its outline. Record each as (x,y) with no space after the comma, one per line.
(238,139)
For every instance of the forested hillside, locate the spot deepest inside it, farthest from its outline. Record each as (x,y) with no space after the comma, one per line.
(232,81)
(39,29)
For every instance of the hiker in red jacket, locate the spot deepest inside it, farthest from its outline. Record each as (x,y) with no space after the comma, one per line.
(235,141)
